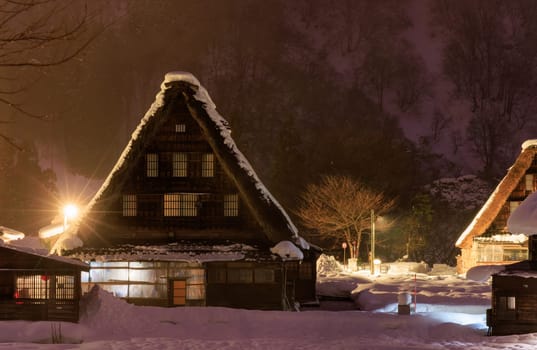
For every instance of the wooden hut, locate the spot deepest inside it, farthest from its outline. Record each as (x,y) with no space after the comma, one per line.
(486,240)
(183,219)
(514,297)
(38,287)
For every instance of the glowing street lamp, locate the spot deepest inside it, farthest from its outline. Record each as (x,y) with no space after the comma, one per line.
(70,211)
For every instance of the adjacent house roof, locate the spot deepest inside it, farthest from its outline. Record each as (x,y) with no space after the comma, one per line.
(42,256)
(273,219)
(493,205)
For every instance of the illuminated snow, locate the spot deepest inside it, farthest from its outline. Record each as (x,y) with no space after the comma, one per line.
(8,234)
(287,251)
(529,143)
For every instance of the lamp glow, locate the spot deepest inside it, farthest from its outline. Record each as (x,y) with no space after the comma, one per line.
(70,211)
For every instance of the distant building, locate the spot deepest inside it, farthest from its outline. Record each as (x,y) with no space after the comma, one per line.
(486,240)
(183,219)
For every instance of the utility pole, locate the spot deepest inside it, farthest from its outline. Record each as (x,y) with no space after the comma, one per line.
(372,241)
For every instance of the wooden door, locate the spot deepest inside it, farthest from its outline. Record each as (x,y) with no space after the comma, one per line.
(177,292)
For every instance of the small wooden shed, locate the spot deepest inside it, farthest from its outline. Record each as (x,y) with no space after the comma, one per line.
(514,297)
(38,287)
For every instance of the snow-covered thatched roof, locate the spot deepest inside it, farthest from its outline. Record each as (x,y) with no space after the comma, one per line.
(273,219)
(497,199)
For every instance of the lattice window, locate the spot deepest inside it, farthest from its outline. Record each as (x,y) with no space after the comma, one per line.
(129,205)
(152,165)
(65,287)
(189,204)
(207,165)
(180,165)
(180,204)
(231,205)
(31,286)
(513,205)
(172,202)
(180,128)
(529,182)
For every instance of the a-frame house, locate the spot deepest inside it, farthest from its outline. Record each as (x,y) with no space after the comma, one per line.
(183,219)
(487,240)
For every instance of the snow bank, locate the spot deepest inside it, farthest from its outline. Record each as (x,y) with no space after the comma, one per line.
(483,273)
(327,265)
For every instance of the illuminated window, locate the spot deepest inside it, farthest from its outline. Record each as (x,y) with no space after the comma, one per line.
(529,182)
(152,165)
(65,287)
(513,205)
(507,303)
(189,205)
(180,165)
(511,303)
(30,286)
(207,165)
(180,128)
(129,205)
(231,205)
(180,204)
(172,202)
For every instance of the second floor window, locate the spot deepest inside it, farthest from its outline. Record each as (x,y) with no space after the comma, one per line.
(180,204)
(231,205)
(180,165)
(129,205)
(152,165)
(529,182)
(207,165)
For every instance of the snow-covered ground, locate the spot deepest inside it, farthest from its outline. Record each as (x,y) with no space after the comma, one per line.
(450,315)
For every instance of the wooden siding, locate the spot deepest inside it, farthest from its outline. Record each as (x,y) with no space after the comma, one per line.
(248,293)
(523,318)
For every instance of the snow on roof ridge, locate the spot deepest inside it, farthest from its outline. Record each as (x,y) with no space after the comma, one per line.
(529,143)
(181,76)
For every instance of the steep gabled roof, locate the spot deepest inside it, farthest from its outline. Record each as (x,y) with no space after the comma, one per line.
(495,202)
(273,219)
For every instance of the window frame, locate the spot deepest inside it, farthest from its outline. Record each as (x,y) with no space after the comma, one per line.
(207,165)
(129,205)
(180,164)
(152,165)
(231,205)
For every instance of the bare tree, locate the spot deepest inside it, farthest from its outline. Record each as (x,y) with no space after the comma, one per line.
(35,34)
(340,207)
(490,55)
